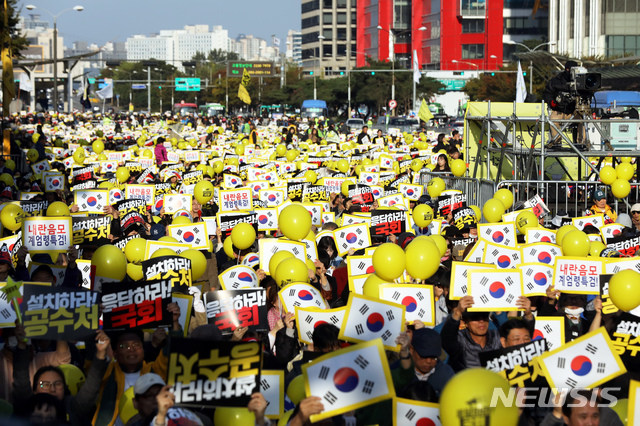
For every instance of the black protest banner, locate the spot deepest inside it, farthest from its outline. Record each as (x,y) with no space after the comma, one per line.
(628,246)
(59,313)
(386,222)
(34,208)
(626,340)
(87,184)
(131,221)
(91,230)
(122,242)
(133,166)
(173,268)
(315,193)
(448,203)
(136,305)
(295,190)
(517,363)
(230,309)
(361,194)
(82,175)
(192,178)
(214,373)
(464,217)
(132,205)
(162,188)
(228,221)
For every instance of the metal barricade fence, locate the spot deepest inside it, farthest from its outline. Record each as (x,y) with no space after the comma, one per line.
(20,160)
(476,190)
(570,197)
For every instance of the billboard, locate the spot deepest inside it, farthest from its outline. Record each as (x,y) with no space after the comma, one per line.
(258,69)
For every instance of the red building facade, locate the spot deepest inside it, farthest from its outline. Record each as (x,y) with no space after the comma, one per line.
(440,31)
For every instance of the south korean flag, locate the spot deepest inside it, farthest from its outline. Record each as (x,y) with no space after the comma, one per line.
(68,162)
(614,266)
(238,277)
(540,235)
(256,186)
(503,234)
(53,182)
(41,166)
(267,219)
(596,220)
(417,299)
(349,378)
(352,237)
(386,162)
(536,278)
(116,195)
(272,388)
(584,363)
(368,318)
(271,176)
(301,295)
(501,256)
(194,234)
(360,265)
(411,192)
(316,213)
(495,291)
(92,201)
(369,178)
(108,166)
(611,230)
(541,253)
(173,203)
(409,412)
(84,266)
(307,319)
(232,181)
(392,200)
(271,197)
(550,328)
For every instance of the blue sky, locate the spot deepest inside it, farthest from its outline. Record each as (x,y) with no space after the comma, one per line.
(102,21)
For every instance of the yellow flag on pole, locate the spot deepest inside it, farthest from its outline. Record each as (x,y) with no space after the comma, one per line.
(424,114)
(246,77)
(243,94)
(8,86)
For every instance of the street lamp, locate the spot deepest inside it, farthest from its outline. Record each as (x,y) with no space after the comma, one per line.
(549,43)
(130,83)
(315,94)
(455,61)
(392,55)
(55,50)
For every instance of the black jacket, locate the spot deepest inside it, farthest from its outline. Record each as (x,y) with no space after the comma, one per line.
(556,94)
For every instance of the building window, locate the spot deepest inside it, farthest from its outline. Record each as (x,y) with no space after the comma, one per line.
(472,51)
(327,50)
(341,50)
(342,18)
(354,4)
(327,4)
(524,25)
(311,22)
(620,45)
(354,19)
(402,14)
(342,34)
(327,18)
(341,4)
(310,37)
(310,6)
(354,33)
(472,8)
(327,34)
(472,26)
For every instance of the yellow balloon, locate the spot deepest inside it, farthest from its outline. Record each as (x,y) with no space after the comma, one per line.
(32,155)
(595,248)
(608,175)
(135,271)
(180,220)
(526,219)
(435,187)
(275,260)
(291,155)
(389,261)
(477,212)
(422,215)
(311,176)
(564,230)
(624,289)
(281,150)
(625,171)
(163,252)
(122,174)
(79,155)
(505,196)
(10,164)
(203,191)
(243,235)
(344,188)
(98,146)
(11,217)
(239,150)
(198,263)
(458,167)
(135,250)
(343,165)
(102,157)
(291,270)
(295,390)
(58,209)
(126,409)
(168,239)
(575,243)
(620,188)
(284,419)
(423,259)
(7,179)
(371,286)
(106,185)
(493,210)
(416,165)
(294,222)
(218,167)
(621,408)
(233,416)
(110,262)
(73,377)
(457,393)
(440,242)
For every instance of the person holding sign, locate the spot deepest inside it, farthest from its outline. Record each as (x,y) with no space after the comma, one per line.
(363,136)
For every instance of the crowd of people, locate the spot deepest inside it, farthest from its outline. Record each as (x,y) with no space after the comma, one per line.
(120,376)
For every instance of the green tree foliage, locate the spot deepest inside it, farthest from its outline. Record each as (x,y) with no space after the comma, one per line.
(18,42)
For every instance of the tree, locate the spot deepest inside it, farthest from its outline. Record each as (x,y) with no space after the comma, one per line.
(18,42)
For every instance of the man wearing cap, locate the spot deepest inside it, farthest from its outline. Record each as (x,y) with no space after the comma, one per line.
(145,390)
(635,217)
(600,206)
(464,346)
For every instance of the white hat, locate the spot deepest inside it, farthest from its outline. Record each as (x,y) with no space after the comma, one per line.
(145,381)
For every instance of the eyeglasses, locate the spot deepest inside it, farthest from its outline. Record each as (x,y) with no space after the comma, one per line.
(635,212)
(48,385)
(128,346)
